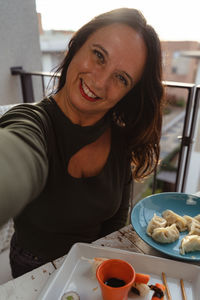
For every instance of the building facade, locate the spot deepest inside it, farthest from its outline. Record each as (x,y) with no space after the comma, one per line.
(19,47)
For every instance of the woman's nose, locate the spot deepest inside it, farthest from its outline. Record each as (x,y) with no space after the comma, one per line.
(101,80)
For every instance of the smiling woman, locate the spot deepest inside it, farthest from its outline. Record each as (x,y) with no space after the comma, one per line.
(69,160)
(101,73)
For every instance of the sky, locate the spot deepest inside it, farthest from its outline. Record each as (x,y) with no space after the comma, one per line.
(172,19)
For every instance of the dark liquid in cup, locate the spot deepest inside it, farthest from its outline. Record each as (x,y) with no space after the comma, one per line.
(115,282)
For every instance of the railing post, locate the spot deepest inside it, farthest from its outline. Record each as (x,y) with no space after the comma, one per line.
(154,181)
(186,141)
(191,135)
(26,84)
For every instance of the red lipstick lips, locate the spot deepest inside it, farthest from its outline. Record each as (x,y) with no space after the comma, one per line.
(85,95)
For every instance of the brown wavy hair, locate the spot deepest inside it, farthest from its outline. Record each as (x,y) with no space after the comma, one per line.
(139,113)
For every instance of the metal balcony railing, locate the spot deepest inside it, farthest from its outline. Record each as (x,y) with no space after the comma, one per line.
(190,118)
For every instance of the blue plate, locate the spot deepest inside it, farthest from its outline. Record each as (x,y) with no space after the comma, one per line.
(180,203)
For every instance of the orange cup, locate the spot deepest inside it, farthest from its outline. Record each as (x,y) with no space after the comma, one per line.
(119,270)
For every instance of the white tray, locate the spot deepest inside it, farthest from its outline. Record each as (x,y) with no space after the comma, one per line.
(76,274)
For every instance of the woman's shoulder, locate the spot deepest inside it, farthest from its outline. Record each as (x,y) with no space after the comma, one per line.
(30,122)
(27,115)
(25,110)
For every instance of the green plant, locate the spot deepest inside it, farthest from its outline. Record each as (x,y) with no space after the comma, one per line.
(173,100)
(167,163)
(180,102)
(167,110)
(148,192)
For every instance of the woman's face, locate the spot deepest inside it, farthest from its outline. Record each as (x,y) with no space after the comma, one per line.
(103,71)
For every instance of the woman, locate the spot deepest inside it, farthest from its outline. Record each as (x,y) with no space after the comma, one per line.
(68,158)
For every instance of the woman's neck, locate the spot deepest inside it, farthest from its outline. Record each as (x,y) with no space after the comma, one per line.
(76,117)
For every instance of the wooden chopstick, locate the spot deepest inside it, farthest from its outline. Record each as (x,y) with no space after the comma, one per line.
(166,286)
(183,290)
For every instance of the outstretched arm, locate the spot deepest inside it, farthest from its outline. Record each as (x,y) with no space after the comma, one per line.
(23,159)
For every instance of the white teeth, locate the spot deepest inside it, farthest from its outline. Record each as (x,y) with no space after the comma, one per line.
(87,91)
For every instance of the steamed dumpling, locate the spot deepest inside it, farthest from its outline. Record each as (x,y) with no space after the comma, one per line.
(195,228)
(166,235)
(173,218)
(190,220)
(155,222)
(197,217)
(190,243)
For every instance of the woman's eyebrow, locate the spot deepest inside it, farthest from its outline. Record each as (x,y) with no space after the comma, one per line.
(129,76)
(102,48)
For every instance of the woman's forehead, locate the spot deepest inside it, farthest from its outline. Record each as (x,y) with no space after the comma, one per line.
(107,31)
(118,37)
(124,46)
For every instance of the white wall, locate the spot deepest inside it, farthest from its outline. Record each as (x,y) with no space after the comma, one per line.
(197,80)
(19,46)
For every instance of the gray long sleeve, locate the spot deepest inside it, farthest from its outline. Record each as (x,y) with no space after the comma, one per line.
(23,159)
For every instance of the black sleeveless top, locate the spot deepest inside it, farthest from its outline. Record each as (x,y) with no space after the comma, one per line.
(70,210)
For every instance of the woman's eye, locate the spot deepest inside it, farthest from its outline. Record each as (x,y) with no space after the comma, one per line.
(122,79)
(99,55)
